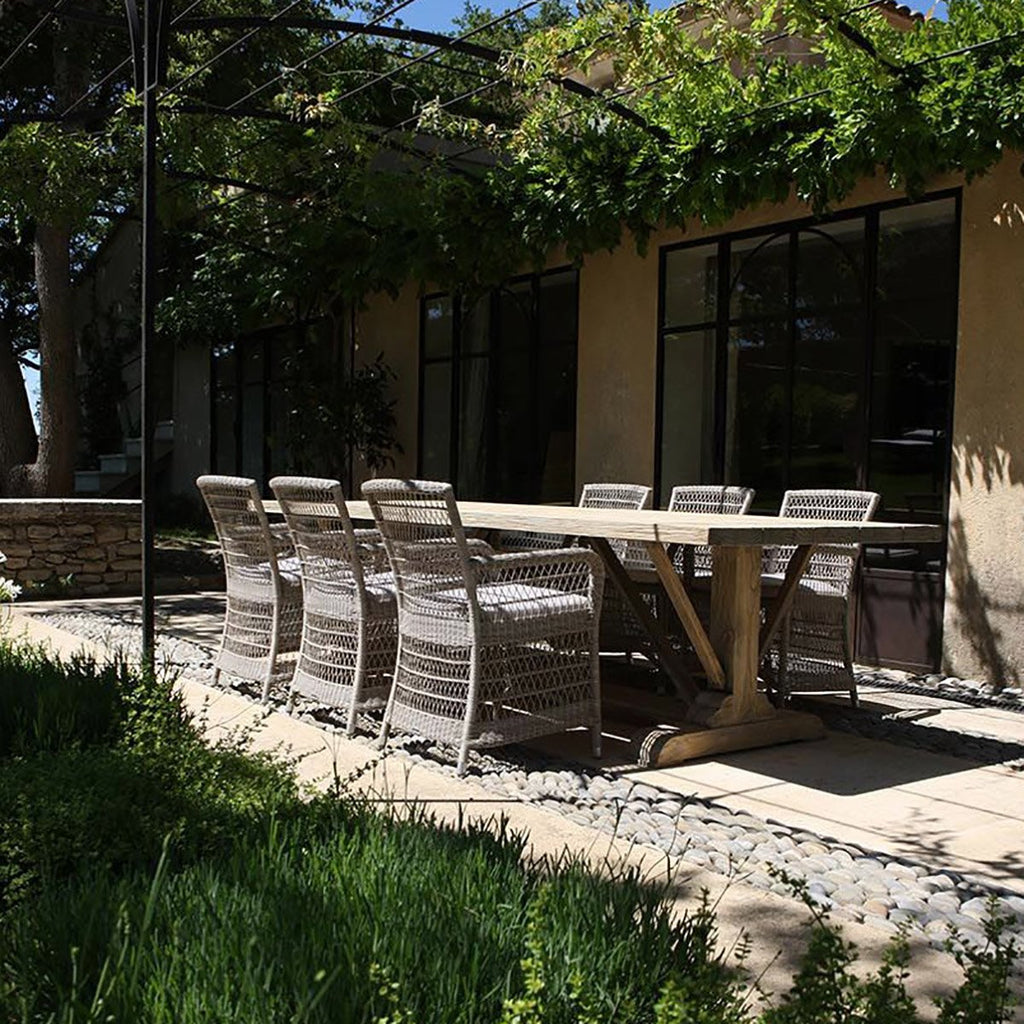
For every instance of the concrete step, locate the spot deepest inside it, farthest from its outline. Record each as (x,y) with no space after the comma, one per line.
(163,437)
(87,481)
(120,464)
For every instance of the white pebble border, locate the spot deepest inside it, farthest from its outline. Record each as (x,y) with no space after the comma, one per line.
(851,882)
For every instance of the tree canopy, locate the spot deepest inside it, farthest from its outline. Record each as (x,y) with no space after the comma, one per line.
(306,161)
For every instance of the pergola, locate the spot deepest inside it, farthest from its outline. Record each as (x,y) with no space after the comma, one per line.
(151,25)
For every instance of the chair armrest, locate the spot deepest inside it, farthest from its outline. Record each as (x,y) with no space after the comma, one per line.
(281,540)
(478,547)
(370,551)
(570,569)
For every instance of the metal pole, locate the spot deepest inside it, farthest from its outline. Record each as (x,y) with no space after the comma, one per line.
(148,299)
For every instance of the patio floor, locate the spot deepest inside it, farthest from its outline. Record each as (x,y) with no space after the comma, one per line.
(949,813)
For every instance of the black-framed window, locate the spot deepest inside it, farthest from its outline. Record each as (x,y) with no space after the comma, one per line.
(816,354)
(248,413)
(498,390)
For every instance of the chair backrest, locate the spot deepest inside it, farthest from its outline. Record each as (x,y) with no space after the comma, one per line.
(632,496)
(423,536)
(707,498)
(250,557)
(323,535)
(834,563)
(711,498)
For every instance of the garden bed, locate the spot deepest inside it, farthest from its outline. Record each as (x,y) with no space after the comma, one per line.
(146,876)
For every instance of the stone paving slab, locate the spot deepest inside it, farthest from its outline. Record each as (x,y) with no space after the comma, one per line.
(775,924)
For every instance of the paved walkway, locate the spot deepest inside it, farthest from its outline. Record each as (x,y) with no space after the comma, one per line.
(934,809)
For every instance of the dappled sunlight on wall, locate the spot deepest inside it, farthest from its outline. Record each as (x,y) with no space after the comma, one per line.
(984,620)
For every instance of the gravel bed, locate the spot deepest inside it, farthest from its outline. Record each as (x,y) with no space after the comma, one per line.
(965,691)
(852,882)
(916,728)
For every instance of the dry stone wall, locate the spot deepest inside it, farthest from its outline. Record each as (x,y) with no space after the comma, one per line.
(72,546)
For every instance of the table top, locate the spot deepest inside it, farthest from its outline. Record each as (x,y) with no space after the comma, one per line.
(675,527)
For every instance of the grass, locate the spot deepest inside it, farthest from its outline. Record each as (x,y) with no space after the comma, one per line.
(145,876)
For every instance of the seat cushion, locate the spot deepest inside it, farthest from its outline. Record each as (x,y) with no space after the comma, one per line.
(290,569)
(820,588)
(509,602)
(380,587)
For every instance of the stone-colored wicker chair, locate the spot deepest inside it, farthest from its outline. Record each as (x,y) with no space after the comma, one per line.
(593,496)
(263,621)
(811,651)
(350,614)
(620,630)
(492,649)
(706,498)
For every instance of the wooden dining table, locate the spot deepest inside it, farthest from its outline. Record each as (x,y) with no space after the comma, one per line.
(728,712)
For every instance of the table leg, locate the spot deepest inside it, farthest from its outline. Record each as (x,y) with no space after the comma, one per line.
(663,650)
(735,628)
(687,614)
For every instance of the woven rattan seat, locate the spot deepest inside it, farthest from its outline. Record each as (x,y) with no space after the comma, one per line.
(350,610)
(493,649)
(263,620)
(811,651)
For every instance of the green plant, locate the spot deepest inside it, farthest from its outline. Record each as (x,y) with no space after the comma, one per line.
(100,763)
(331,419)
(49,705)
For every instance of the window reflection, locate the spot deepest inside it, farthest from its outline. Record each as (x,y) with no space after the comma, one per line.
(510,359)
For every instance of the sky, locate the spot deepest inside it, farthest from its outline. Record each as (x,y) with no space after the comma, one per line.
(437,15)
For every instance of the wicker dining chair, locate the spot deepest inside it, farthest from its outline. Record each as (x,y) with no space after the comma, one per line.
(492,649)
(620,629)
(263,619)
(811,651)
(349,610)
(706,498)
(592,496)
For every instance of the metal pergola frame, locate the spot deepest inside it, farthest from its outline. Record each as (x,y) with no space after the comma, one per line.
(150,27)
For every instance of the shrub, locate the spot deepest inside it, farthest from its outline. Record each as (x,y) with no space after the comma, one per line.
(102,763)
(46,704)
(338,914)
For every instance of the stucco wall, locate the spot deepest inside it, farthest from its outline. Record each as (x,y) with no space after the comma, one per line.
(73,546)
(391,326)
(984,612)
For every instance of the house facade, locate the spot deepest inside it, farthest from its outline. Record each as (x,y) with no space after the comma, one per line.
(877,347)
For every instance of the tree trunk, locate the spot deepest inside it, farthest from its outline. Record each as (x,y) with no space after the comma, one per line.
(52,474)
(17,431)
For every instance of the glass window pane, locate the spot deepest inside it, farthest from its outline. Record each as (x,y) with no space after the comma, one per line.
(687,410)
(556,426)
(916,247)
(756,409)
(252,412)
(912,372)
(436,422)
(691,286)
(438,327)
(826,431)
(830,265)
(475,328)
(515,468)
(759,276)
(473,447)
(558,310)
(515,315)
